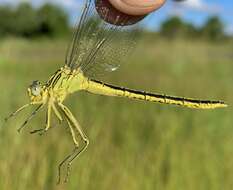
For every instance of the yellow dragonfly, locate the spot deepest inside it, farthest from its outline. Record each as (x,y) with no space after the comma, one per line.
(89,52)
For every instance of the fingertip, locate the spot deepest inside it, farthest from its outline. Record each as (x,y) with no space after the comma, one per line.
(137,7)
(112,15)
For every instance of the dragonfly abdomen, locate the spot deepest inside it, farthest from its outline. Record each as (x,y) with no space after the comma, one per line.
(101,88)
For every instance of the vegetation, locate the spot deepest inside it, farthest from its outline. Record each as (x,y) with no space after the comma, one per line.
(25,21)
(174,27)
(51,21)
(134,145)
(213,29)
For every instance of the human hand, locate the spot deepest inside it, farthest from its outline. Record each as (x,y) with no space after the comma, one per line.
(137,7)
(126,12)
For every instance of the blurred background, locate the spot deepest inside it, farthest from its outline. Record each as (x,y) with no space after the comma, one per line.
(185,49)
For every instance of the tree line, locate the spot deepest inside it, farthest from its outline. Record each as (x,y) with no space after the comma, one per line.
(51,21)
(26,21)
(174,27)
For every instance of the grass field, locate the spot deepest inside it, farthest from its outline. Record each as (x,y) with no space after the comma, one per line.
(133,145)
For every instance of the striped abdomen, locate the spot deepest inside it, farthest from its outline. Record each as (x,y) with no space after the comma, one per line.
(97,87)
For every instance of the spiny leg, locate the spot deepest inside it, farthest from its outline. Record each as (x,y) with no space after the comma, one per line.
(48,122)
(75,150)
(62,163)
(57,113)
(86,141)
(72,119)
(17,111)
(30,117)
(72,122)
(75,140)
(48,116)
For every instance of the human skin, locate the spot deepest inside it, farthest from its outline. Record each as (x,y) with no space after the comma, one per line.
(126,12)
(137,7)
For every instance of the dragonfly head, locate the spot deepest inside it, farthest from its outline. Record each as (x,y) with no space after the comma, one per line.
(37,93)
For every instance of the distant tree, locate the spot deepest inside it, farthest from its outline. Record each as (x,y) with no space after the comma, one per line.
(52,20)
(213,29)
(191,31)
(25,22)
(173,27)
(6,21)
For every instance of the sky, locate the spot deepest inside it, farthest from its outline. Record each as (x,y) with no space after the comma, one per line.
(193,11)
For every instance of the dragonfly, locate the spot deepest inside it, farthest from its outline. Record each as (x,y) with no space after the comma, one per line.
(90,51)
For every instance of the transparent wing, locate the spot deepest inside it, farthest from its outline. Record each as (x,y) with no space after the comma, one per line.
(98,47)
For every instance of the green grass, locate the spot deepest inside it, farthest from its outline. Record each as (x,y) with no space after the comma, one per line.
(133,144)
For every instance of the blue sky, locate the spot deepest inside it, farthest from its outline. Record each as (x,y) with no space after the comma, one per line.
(197,12)
(194,11)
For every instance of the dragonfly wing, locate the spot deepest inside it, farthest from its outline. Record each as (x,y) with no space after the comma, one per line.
(98,47)
(78,35)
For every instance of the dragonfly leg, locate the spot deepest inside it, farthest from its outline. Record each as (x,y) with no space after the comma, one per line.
(73,121)
(72,158)
(48,122)
(75,140)
(74,126)
(75,154)
(57,113)
(30,117)
(37,131)
(62,163)
(76,143)
(48,118)
(17,111)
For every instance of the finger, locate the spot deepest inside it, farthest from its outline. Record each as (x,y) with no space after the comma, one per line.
(113,16)
(137,7)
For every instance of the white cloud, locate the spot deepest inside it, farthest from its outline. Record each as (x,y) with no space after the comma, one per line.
(12,2)
(74,4)
(69,4)
(198,5)
(229,29)
(72,7)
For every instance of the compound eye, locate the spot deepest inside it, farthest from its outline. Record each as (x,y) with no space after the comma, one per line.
(35,88)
